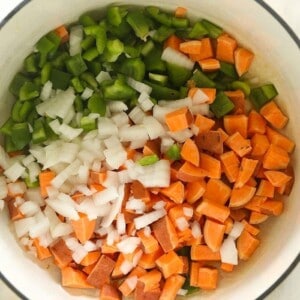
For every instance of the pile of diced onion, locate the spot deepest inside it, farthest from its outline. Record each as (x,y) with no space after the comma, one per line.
(76,153)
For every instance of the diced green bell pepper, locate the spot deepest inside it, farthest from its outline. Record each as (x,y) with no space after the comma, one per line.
(119,90)
(60,79)
(148,160)
(76,65)
(20,135)
(28,91)
(222,105)
(96,104)
(173,152)
(133,67)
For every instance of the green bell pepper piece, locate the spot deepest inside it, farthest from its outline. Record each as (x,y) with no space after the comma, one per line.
(76,65)
(173,152)
(88,124)
(241,85)
(201,80)
(96,104)
(20,135)
(133,67)
(119,90)
(162,92)
(39,134)
(222,105)
(162,33)
(214,31)
(89,79)
(115,15)
(148,160)
(7,126)
(60,79)
(16,84)
(86,20)
(178,75)
(28,91)
(45,72)
(139,23)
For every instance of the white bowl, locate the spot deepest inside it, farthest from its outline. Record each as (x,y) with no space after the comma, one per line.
(277,60)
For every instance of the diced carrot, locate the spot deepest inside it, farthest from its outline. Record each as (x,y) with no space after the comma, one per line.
(165,233)
(109,292)
(171,287)
(204,253)
(213,210)
(246,245)
(209,64)
(251,182)
(241,196)
(175,191)
(272,207)
(242,60)
(205,52)
(151,280)
(98,177)
(63,33)
(238,144)
(224,135)
(276,158)
(211,165)
(277,178)
(169,264)
(74,278)
(88,269)
(150,244)
(265,189)
(190,47)
(180,12)
(190,173)
(61,253)
(238,214)
(194,272)
(203,123)
(189,152)
(255,202)
(207,278)
(250,228)
(257,218)
(228,225)
(259,144)
(256,123)
(213,233)
(210,93)
(247,169)
(210,141)
(236,123)
(100,275)
(230,164)
(227,267)
(195,190)
(14,211)
(185,267)
(280,140)
(147,261)
(45,179)
(90,258)
(152,147)
(225,48)
(273,114)
(217,191)
(83,227)
(239,101)
(139,191)
(173,42)
(179,119)
(42,252)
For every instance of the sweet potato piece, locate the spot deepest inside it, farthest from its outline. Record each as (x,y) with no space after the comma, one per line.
(276,158)
(140,294)
(236,123)
(225,48)
(213,234)
(207,278)
(238,144)
(204,253)
(231,164)
(151,280)
(211,141)
(256,123)
(195,190)
(203,123)
(169,264)
(246,245)
(165,234)
(210,165)
(100,275)
(175,191)
(109,292)
(241,196)
(74,278)
(273,114)
(189,152)
(213,210)
(179,119)
(239,101)
(217,191)
(171,287)
(61,253)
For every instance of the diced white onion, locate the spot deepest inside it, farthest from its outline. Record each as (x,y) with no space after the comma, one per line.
(115,157)
(121,225)
(40,227)
(23,226)
(185,102)
(102,76)
(117,106)
(68,132)
(90,246)
(236,230)
(128,245)
(46,91)
(76,36)
(188,211)
(132,133)
(79,254)
(121,119)
(228,251)
(16,188)
(126,267)
(153,127)
(173,56)
(29,208)
(201,109)
(196,230)
(61,229)
(137,144)
(105,196)
(199,97)
(139,86)
(149,218)
(3,188)
(159,205)
(181,136)
(15,171)
(87,93)
(2,204)
(135,204)
(137,115)
(63,208)
(182,223)
(159,112)
(131,282)
(4,159)
(182,292)
(55,126)
(166,143)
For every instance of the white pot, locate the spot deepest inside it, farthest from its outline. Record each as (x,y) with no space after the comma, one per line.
(277,60)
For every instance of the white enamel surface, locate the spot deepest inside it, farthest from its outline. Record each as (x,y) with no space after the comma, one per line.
(278,60)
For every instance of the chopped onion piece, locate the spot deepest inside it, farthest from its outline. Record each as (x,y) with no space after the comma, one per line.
(68,132)
(196,230)
(236,230)
(173,56)
(40,227)
(87,93)
(121,119)
(116,208)
(76,36)
(121,225)
(105,196)
(128,245)
(137,144)
(3,188)
(149,218)
(90,246)
(23,226)
(117,106)
(185,102)
(166,143)
(199,97)
(131,281)
(228,251)
(137,115)
(46,91)
(182,292)
(132,133)
(153,127)
(112,179)
(135,204)
(29,208)
(2,204)
(115,157)
(16,188)
(55,126)
(79,254)
(15,171)
(126,267)
(4,158)
(102,76)
(202,109)
(182,223)
(159,205)
(124,176)
(139,86)
(61,229)
(159,112)
(34,195)
(64,208)
(181,136)
(188,211)
(93,211)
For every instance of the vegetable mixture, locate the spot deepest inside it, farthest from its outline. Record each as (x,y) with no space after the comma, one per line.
(138,157)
